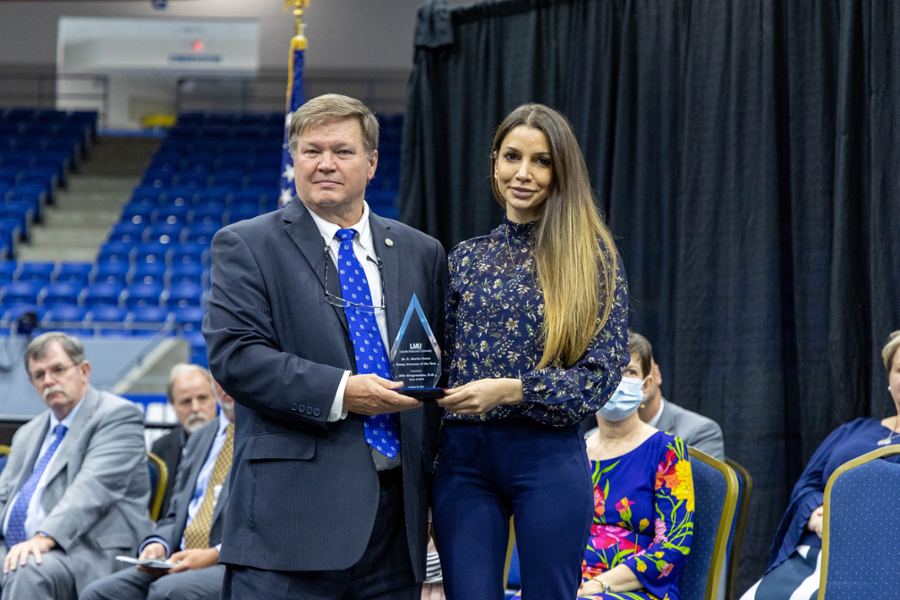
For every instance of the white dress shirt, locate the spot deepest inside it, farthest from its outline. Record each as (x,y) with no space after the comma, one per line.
(364,248)
(35,514)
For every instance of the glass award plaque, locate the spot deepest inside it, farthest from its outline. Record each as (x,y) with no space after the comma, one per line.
(416,356)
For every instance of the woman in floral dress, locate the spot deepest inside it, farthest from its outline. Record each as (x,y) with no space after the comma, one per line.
(643,502)
(536,341)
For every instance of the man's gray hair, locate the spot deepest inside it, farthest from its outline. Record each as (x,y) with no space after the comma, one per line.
(38,347)
(182,369)
(324,108)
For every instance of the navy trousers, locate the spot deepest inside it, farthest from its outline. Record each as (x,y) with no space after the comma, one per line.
(489,471)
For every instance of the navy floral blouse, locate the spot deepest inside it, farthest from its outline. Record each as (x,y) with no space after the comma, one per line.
(493,329)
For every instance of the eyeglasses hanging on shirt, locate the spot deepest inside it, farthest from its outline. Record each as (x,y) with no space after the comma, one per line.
(340,302)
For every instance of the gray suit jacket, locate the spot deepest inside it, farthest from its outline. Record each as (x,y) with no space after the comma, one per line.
(696,430)
(171,527)
(304,492)
(98,485)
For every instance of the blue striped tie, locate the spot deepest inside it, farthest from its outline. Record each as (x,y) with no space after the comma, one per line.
(15,529)
(371,357)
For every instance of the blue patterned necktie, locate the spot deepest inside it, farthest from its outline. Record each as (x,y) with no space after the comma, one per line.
(371,357)
(15,529)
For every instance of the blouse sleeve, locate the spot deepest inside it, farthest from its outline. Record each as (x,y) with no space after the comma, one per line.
(564,396)
(659,565)
(451,304)
(808,495)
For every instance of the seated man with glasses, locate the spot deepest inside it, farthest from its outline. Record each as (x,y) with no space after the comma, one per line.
(75,490)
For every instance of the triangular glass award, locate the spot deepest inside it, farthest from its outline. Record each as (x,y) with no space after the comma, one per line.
(416,356)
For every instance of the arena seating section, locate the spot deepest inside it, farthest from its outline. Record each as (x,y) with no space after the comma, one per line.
(152,274)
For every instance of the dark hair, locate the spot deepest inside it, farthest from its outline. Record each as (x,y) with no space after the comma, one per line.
(38,347)
(638,344)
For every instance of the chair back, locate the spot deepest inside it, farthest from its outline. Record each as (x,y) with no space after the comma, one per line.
(159,476)
(715,502)
(736,539)
(861,526)
(4,456)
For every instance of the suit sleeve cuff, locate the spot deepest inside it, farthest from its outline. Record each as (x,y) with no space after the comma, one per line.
(158,540)
(337,407)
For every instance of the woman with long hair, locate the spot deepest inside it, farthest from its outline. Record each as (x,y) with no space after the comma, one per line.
(536,342)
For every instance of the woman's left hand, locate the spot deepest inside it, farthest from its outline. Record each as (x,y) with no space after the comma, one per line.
(590,588)
(478,397)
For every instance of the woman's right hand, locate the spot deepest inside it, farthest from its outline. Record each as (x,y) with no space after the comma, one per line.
(816,521)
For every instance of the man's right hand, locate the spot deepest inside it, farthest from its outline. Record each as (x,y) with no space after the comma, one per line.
(153,551)
(373,395)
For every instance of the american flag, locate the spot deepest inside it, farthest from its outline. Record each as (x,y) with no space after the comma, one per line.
(295,99)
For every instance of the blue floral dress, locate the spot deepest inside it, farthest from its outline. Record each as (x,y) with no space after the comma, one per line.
(493,330)
(643,517)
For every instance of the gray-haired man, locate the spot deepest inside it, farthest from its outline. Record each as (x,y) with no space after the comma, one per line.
(74,492)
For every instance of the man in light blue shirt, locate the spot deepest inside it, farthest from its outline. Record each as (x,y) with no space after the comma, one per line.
(190,534)
(75,490)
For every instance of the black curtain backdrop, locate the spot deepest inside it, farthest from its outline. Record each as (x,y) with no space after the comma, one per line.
(745,153)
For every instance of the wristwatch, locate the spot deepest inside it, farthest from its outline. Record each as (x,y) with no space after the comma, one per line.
(605,585)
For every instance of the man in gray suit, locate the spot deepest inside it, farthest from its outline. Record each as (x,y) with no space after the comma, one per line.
(74,493)
(329,494)
(696,430)
(190,534)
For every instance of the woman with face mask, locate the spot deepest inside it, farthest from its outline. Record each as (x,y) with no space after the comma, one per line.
(535,343)
(643,500)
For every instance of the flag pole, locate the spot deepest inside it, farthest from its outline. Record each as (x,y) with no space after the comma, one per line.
(295,95)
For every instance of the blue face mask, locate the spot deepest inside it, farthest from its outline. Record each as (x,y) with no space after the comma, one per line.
(625,400)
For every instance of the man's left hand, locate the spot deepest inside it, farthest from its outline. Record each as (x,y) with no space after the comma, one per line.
(18,554)
(192,560)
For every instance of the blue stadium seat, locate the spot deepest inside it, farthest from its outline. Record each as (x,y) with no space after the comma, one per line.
(61,293)
(36,271)
(158,178)
(202,232)
(211,214)
(23,292)
(183,294)
(111,272)
(147,195)
(164,233)
(73,272)
(232,178)
(116,251)
(171,214)
(188,318)
(101,294)
(127,232)
(197,252)
(137,213)
(212,196)
(188,272)
(106,314)
(149,272)
(180,196)
(240,213)
(22,212)
(152,252)
(198,348)
(15,312)
(253,197)
(193,179)
(148,315)
(8,269)
(142,294)
(63,313)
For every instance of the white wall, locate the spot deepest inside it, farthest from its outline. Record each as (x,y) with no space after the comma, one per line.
(343,34)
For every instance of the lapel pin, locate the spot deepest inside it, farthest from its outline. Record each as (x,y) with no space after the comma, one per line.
(388,242)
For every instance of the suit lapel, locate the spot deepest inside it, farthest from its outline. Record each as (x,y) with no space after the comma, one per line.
(70,441)
(390,258)
(301,228)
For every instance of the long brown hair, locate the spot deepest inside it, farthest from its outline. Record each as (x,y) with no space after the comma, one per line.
(574,251)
